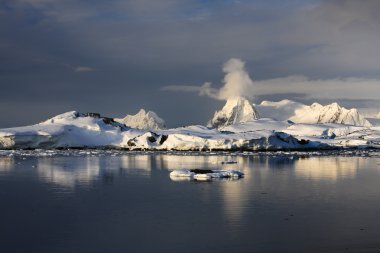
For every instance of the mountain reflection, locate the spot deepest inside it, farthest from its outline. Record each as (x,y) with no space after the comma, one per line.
(332,168)
(234,194)
(6,164)
(174,162)
(272,174)
(136,164)
(69,172)
(83,171)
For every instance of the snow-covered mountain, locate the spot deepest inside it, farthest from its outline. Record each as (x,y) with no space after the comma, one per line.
(236,127)
(236,110)
(90,130)
(313,114)
(77,130)
(143,120)
(332,113)
(68,130)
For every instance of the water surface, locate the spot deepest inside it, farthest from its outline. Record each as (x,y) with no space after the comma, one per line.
(120,202)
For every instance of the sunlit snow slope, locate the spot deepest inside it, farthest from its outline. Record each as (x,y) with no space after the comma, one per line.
(236,110)
(313,114)
(143,120)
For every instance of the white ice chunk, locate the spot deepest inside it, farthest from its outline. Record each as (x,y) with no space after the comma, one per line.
(206,175)
(182,173)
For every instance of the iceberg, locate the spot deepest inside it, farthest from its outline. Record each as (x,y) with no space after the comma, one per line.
(205,175)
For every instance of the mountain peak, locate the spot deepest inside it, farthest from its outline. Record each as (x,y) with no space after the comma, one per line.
(332,113)
(141,112)
(143,120)
(236,110)
(311,114)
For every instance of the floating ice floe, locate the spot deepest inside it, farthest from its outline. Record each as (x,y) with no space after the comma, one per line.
(204,175)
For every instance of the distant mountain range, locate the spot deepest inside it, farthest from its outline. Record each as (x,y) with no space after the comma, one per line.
(238,110)
(239,125)
(313,114)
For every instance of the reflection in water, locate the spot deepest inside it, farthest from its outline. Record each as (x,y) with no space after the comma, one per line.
(69,173)
(333,168)
(254,214)
(175,162)
(137,164)
(84,170)
(6,164)
(235,196)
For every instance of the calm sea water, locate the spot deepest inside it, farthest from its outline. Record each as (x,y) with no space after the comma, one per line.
(128,203)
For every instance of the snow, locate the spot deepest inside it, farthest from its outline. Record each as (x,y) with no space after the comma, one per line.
(337,135)
(179,175)
(143,120)
(258,125)
(236,110)
(77,130)
(182,173)
(70,129)
(313,114)
(312,127)
(333,113)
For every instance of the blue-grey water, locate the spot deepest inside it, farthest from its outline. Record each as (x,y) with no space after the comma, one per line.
(127,203)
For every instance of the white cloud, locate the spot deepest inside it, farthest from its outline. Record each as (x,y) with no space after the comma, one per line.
(237,82)
(338,88)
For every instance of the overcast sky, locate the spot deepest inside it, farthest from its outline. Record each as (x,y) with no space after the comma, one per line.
(115,56)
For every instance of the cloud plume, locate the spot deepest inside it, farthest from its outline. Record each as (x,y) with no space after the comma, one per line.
(236,83)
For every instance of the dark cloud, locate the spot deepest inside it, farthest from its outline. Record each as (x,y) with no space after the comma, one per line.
(130,49)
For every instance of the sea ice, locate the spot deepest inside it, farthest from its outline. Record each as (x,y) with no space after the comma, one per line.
(205,175)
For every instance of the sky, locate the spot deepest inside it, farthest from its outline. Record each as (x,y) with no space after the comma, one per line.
(117,56)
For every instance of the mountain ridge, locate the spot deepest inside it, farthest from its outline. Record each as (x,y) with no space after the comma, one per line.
(314,114)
